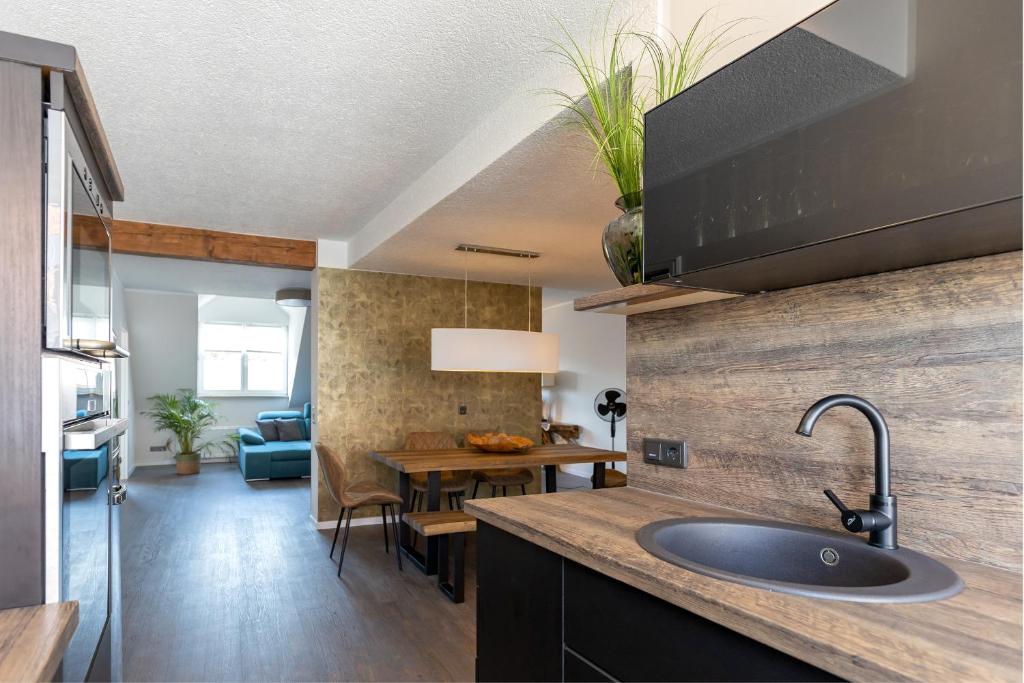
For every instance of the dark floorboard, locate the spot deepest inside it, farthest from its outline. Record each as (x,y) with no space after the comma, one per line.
(225,580)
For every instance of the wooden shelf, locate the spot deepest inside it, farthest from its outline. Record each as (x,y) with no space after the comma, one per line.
(644,298)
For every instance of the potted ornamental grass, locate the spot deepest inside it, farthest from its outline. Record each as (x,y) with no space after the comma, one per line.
(623,74)
(187,417)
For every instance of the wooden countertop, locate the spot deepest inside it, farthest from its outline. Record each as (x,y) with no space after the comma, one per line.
(973,636)
(471,459)
(33,640)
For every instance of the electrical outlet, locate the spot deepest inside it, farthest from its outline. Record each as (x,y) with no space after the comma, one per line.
(157,449)
(462,409)
(666,452)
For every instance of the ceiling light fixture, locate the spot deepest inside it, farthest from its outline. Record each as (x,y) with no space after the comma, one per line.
(472,349)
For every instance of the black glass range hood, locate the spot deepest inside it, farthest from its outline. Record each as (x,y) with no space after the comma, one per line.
(871,137)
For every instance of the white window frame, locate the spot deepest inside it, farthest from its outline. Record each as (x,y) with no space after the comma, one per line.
(243,392)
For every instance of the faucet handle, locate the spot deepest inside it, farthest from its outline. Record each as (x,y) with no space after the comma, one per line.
(851,519)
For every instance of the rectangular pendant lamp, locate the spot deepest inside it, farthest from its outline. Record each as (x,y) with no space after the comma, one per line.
(461,349)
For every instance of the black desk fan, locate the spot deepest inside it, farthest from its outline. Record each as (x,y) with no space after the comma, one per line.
(610,406)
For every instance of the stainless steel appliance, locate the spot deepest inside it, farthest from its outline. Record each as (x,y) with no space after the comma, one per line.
(78,256)
(81,546)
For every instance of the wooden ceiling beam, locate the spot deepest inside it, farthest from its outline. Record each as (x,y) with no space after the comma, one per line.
(172,241)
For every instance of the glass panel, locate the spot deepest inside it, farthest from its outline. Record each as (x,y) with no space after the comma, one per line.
(266,371)
(222,370)
(90,268)
(866,115)
(222,336)
(259,338)
(86,541)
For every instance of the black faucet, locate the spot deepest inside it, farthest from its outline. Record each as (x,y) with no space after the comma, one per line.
(880,520)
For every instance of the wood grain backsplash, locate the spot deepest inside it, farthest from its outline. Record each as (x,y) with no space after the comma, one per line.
(374,382)
(937,349)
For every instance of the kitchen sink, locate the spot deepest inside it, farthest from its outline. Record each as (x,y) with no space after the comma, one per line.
(802,560)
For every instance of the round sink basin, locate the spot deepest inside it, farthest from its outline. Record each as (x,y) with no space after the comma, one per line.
(802,560)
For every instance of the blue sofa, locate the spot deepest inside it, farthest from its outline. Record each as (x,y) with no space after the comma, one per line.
(85,469)
(262,459)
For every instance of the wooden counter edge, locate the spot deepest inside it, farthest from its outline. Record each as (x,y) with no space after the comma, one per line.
(730,614)
(33,640)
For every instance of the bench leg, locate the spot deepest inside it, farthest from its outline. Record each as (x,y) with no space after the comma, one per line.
(443,543)
(456,589)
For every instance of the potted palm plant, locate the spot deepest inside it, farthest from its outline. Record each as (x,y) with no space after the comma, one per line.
(186,417)
(625,75)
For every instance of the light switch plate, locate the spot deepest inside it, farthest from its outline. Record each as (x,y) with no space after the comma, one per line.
(652,451)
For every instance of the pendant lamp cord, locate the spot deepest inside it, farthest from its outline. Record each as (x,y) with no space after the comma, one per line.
(529,298)
(465,290)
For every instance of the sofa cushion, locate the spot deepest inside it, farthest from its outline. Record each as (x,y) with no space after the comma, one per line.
(282,450)
(250,436)
(268,429)
(290,429)
(285,415)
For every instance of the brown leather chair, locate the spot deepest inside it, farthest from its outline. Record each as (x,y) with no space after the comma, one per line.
(351,496)
(453,484)
(503,478)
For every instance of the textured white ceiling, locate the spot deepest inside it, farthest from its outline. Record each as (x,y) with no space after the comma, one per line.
(304,118)
(543,195)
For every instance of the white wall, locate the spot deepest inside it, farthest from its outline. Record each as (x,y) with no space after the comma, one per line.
(593,357)
(164,329)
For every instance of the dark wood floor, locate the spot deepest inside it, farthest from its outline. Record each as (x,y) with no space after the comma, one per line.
(225,580)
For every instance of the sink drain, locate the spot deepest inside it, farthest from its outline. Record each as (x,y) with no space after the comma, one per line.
(829,556)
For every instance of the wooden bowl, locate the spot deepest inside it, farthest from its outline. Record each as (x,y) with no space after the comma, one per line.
(499,442)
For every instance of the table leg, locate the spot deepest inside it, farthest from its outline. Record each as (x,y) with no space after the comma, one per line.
(425,563)
(598,475)
(405,491)
(433,505)
(550,478)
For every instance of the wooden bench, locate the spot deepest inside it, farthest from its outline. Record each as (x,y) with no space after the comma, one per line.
(451,528)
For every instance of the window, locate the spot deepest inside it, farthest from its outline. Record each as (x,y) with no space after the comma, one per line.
(243,359)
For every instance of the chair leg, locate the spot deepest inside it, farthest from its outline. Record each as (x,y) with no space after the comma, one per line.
(344,541)
(394,530)
(523,487)
(504,490)
(336,530)
(419,503)
(384,520)
(494,491)
(475,487)
(412,501)
(451,505)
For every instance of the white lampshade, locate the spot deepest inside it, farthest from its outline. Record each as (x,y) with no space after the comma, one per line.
(479,350)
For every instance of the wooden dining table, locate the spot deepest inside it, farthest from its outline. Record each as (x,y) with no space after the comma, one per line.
(433,463)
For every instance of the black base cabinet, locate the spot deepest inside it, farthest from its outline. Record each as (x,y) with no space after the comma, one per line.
(542,618)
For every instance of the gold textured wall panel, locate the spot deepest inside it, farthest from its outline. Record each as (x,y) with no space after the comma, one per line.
(374,382)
